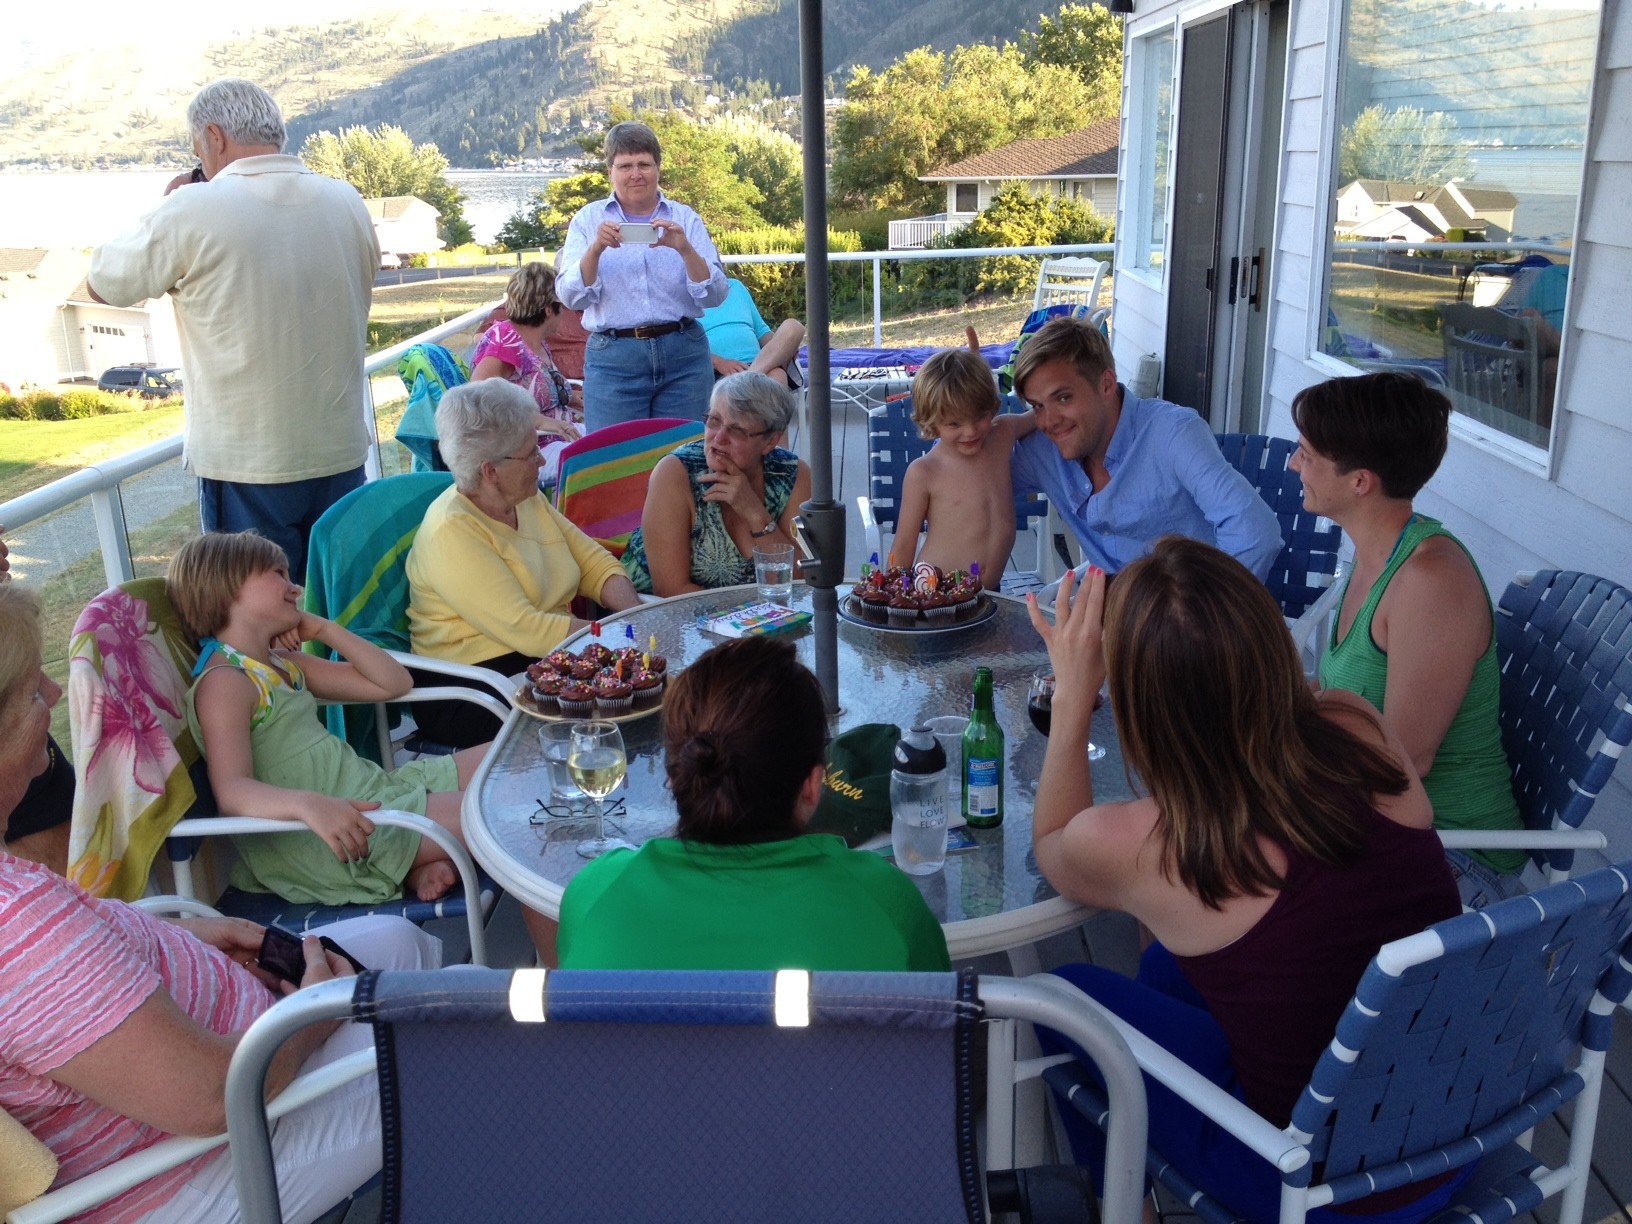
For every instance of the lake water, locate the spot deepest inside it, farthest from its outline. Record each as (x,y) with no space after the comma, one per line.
(72,208)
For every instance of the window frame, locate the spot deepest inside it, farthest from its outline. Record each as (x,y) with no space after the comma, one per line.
(1133,246)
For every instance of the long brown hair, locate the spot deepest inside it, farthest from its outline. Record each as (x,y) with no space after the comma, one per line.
(1214,714)
(743,727)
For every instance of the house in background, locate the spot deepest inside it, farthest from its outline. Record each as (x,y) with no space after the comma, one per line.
(1229,271)
(404,225)
(51,330)
(1375,208)
(1080,165)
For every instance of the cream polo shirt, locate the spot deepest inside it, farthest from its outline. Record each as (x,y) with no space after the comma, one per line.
(478,589)
(271,268)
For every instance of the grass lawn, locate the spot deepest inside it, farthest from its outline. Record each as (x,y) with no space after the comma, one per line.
(37,452)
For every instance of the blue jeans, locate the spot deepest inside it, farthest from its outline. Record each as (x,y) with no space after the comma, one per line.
(635,380)
(1163,1005)
(283,513)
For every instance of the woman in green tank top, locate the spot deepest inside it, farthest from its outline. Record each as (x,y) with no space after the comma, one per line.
(1415,634)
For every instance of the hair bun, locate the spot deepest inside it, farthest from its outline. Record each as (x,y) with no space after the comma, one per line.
(704,756)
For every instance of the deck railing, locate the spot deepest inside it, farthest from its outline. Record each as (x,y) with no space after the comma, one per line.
(101,484)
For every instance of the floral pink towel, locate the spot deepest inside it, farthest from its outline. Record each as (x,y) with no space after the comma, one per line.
(128,660)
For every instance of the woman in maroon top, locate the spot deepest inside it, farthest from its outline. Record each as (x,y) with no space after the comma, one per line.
(1285,837)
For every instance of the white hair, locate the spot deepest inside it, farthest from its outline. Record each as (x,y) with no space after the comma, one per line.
(242,109)
(751,394)
(482,422)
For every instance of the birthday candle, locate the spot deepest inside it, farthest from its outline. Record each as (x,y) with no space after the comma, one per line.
(628,630)
(651,643)
(595,629)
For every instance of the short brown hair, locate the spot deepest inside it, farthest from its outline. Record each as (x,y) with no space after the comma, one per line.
(1388,422)
(953,384)
(1200,667)
(208,571)
(1072,339)
(530,294)
(743,727)
(632,137)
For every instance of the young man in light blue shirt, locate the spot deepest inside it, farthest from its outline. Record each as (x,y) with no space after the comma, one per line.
(1124,471)
(645,356)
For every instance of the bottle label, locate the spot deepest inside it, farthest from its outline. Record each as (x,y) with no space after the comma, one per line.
(928,816)
(982,789)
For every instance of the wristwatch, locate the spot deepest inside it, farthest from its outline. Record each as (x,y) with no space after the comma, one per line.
(763,531)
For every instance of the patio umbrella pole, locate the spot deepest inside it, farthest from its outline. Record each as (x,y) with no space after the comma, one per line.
(821,518)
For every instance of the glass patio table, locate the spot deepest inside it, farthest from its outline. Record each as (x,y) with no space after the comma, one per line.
(990,899)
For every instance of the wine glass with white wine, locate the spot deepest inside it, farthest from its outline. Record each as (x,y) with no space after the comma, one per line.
(597,763)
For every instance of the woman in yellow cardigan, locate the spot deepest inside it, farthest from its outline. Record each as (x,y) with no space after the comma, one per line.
(495,567)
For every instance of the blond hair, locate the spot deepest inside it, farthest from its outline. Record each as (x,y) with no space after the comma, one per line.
(1070,339)
(20,640)
(530,294)
(954,384)
(208,571)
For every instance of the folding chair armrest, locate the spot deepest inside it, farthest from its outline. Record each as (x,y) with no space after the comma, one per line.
(115,1179)
(1316,613)
(460,671)
(170,903)
(253,1172)
(870,528)
(469,880)
(1259,1134)
(1522,839)
(454,692)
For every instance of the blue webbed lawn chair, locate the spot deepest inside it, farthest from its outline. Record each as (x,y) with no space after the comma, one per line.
(1458,1041)
(732,1096)
(1564,645)
(893,442)
(1304,568)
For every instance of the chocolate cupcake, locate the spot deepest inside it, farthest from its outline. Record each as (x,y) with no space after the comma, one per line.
(576,699)
(601,656)
(903,611)
(873,603)
(561,661)
(584,670)
(613,694)
(648,686)
(656,663)
(547,691)
(939,610)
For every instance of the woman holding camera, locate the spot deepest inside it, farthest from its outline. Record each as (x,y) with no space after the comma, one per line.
(116,1027)
(643,269)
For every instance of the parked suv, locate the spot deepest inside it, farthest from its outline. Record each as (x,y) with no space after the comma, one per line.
(152,382)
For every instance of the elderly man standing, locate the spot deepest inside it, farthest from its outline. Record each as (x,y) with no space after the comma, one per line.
(1124,471)
(272,269)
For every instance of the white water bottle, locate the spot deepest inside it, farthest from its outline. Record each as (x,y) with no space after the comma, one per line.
(918,803)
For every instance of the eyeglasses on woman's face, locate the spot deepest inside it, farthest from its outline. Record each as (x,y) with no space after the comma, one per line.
(532,456)
(715,423)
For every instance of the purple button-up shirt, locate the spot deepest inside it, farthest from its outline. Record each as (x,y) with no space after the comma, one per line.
(638,285)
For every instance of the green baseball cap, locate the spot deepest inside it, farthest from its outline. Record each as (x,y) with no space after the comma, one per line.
(856,790)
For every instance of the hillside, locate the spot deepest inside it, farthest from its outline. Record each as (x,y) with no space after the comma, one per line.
(125,101)
(531,95)
(487,85)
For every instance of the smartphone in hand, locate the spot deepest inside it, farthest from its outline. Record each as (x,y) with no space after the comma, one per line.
(282,955)
(638,233)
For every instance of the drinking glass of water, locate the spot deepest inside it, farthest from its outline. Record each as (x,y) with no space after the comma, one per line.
(597,763)
(555,738)
(773,571)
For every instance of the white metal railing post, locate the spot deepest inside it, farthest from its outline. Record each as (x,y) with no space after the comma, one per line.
(112,536)
(878,304)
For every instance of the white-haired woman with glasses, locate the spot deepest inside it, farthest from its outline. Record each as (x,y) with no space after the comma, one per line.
(495,568)
(712,501)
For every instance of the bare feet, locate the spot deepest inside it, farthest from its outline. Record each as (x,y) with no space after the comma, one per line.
(430,881)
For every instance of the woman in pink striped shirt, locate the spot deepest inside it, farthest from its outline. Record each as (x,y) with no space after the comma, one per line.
(116,1027)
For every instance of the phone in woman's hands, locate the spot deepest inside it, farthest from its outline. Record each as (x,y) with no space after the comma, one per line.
(283,956)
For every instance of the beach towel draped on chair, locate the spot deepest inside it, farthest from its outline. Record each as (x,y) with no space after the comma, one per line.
(128,658)
(602,485)
(427,370)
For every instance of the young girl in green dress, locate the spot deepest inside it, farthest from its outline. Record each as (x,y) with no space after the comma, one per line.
(253,711)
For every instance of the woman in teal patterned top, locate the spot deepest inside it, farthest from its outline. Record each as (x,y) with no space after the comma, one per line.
(1415,635)
(712,501)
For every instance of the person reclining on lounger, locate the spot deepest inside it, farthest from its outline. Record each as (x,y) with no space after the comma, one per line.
(740,339)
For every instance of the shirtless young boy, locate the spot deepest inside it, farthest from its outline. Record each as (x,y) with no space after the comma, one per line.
(962,486)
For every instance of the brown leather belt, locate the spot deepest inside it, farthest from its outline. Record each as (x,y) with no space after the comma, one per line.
(649,332)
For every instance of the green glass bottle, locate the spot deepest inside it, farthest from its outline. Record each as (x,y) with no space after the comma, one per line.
(983,758)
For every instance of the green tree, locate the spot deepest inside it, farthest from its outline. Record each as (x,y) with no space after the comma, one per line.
(543,222)
(771,161)
(928,110)
(1087,39)
(388,163)
(1402,145)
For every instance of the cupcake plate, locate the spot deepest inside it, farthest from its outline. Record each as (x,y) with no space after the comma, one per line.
(850,610)
(523,701)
